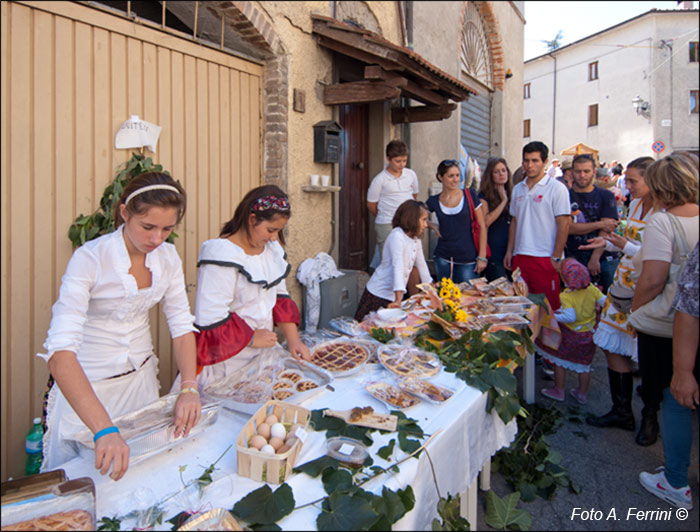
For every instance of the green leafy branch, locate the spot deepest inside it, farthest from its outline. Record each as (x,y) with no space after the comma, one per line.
(101,222)
(480,358)
(528,464)
(382,335)
(450,516)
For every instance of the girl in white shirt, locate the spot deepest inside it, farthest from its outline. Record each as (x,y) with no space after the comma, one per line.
(241,291)
(99,348)
(402,251)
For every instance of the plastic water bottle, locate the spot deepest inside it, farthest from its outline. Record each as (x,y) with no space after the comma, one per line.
(33,447)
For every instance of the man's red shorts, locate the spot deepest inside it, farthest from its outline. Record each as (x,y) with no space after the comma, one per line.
(540,276)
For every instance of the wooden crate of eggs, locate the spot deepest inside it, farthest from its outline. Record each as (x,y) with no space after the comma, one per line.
(268,445)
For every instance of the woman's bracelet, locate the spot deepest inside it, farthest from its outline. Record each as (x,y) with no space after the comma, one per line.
(482,259)
(250,344)
(189,390)
(104,432)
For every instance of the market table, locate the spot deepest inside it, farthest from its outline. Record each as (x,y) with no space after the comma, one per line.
(468,438)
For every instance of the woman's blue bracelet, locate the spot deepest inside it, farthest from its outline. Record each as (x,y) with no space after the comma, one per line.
(104,432)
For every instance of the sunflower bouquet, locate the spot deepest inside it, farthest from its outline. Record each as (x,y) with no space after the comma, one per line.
(451,296)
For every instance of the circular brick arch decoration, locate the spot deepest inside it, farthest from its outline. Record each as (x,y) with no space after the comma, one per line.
(474,43)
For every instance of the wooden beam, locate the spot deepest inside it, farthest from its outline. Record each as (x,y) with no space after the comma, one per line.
(359,92)
(377,73)
(426,96)
(353,52)
(425,113)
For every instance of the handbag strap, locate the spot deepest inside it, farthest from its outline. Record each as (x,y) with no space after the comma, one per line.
(679,238)
(472,210)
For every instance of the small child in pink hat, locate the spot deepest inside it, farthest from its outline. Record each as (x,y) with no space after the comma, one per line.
(577,318)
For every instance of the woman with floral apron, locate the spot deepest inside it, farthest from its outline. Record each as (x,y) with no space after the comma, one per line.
(614,335)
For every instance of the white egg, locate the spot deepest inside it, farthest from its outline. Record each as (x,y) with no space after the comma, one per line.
(278,431)
(268,449)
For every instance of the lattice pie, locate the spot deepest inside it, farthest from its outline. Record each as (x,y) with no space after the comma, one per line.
(339,356)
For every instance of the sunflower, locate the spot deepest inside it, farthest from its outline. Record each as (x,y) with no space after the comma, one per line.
(627,279)
(633,233)
(460,315)
(620,317)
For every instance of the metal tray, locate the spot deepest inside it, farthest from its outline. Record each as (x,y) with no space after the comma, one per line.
(370,387)
(347,325)
(322,377)
(405,385)
(394,349)
(150,429)
(509,320)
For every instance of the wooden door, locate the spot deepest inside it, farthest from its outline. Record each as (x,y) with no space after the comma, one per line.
(354,180)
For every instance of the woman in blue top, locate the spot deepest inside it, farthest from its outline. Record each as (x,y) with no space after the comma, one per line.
(496,186)
(456,256)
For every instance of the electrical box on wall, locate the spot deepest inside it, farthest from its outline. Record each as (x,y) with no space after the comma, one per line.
(327,141)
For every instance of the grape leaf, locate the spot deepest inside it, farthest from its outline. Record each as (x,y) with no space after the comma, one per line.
(346,512)
(336,479)
(315,467)
(502,513)
(263,506)
(386,451)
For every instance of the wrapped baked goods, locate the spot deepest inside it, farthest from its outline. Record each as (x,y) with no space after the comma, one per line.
(69,505)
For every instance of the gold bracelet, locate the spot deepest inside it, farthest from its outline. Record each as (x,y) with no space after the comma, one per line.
(189,390)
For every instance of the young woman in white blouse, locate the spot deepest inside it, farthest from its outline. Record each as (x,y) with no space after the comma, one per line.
(241,290)
(99,348)
(403,250)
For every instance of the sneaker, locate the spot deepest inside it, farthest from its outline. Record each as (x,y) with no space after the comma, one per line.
(656,484)
(553,393)
(581,398)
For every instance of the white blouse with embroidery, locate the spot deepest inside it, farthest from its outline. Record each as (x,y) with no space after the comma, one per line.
(230,281)
(102,316)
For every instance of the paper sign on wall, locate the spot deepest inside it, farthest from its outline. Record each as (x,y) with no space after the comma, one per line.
(136,133)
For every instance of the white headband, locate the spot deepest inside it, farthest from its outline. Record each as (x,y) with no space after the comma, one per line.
(147,188)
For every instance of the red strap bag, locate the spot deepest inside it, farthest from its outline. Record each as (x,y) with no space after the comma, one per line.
(475,224)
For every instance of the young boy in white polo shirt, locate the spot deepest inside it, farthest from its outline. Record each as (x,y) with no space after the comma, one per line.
(390,188)
(541,213)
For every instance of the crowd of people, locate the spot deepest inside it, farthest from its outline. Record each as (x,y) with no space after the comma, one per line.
(574,228)
(618,269)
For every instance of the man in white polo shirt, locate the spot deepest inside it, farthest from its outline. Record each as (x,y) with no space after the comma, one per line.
(539,226)
(390,188)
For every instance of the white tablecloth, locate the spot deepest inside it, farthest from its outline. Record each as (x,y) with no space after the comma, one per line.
(469,438)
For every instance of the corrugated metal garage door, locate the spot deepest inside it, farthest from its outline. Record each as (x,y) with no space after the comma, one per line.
(475,128)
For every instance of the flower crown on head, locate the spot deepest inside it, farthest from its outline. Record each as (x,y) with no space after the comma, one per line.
(266,203)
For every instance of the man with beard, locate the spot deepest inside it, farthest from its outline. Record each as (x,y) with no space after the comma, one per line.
(594,212)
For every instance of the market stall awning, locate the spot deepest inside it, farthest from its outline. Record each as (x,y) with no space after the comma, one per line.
(390,71)
(578,149)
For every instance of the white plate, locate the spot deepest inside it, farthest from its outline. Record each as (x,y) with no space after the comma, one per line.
(391,314)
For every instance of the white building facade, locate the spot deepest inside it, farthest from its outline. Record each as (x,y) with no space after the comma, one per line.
(626,91)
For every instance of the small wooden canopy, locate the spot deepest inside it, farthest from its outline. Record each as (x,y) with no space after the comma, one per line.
(578,149)
(390,71)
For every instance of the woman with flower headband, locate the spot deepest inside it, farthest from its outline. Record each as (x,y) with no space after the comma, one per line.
(99,348)
(241,291)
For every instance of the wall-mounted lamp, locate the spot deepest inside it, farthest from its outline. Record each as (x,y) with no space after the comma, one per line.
(640,106)
(509,74)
